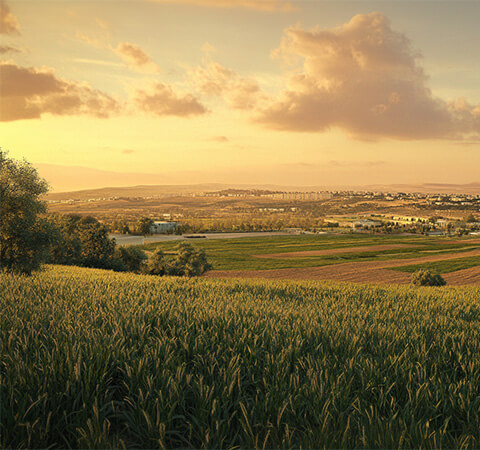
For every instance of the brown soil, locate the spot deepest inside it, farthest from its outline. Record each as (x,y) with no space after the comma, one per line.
(359,272)
(333,251)
(462,277)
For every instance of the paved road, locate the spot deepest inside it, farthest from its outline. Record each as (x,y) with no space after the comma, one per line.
(125,239)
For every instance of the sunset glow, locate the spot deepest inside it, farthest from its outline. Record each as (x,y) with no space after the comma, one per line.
(247,91)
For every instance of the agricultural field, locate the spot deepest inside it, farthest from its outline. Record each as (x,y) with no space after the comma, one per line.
(93,358)
(341,257)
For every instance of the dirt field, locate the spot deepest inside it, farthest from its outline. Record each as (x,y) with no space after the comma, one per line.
(334,251)
(360,272)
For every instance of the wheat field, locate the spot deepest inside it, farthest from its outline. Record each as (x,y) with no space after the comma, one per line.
(96,359)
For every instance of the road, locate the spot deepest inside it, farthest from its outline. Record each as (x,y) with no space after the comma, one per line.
(125,239)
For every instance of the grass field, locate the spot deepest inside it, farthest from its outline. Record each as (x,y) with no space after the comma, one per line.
(239,254)
(93,358)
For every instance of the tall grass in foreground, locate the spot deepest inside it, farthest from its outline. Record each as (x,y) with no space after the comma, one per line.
(96,359)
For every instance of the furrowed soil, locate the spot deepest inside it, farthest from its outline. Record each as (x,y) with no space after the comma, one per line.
(334,251)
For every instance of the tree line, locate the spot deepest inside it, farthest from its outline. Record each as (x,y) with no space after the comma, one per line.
(29,237)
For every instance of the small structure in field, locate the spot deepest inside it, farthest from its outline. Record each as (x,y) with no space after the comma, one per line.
(366,223)
(159,227)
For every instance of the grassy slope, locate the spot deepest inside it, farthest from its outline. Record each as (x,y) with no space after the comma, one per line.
(91,358)
(236,254)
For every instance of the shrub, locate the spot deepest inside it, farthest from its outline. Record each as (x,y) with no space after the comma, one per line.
(425,277)
(157,264)
(187,261)
(131,257)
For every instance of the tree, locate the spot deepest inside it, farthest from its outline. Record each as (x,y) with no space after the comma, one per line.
(470,218)
(131,257)
(189,261)
(145,225)
(425,277)
(22,238)
(82,241)
(157,264)
(97,248)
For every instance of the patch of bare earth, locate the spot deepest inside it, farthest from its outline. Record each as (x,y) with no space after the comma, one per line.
(334,251)
(359,272)
(462,277)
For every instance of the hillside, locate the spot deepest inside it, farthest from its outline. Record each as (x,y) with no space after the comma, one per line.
(97,359)
(177,189)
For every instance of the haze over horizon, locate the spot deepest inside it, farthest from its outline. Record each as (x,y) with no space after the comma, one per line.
(242,92)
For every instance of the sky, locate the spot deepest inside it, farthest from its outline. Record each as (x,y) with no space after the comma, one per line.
(298,93)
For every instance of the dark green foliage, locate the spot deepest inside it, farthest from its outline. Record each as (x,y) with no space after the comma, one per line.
(424,277)
(145,225)
(186,261)
(189,261)
(131,257)
(157,264)
(22,238)
(95,359)
(82,241)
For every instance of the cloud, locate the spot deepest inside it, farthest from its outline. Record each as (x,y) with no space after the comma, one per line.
(28,93)
(128,151)
(258,5)
(135,57)
(163,100)
(8,49)
(213,79)
(8,22)
(366,79)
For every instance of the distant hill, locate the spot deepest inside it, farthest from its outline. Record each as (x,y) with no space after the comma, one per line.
(175,189)
(66,181)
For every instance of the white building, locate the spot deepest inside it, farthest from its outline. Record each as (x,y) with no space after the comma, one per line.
(365,223)
(159,227)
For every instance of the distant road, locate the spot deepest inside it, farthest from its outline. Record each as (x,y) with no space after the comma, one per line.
(125,239)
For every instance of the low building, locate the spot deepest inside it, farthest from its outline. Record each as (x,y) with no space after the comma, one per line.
(365,223)
(159,227)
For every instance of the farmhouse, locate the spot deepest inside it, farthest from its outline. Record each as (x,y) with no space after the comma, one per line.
(159,227)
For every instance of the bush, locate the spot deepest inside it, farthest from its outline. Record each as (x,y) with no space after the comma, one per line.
(131,257)
(425,277)
(187,261)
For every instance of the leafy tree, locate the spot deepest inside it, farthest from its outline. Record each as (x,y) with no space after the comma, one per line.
(23,239)
(189,261)
(157,264)
(97,249)
(131,257)
(82,241)
(145,225)
(66,247)
(470,218)
(425,277)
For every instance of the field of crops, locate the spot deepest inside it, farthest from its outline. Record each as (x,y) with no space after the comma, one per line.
(242,254)
(92,358)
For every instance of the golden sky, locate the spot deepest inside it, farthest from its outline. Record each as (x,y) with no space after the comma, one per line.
(242,91)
